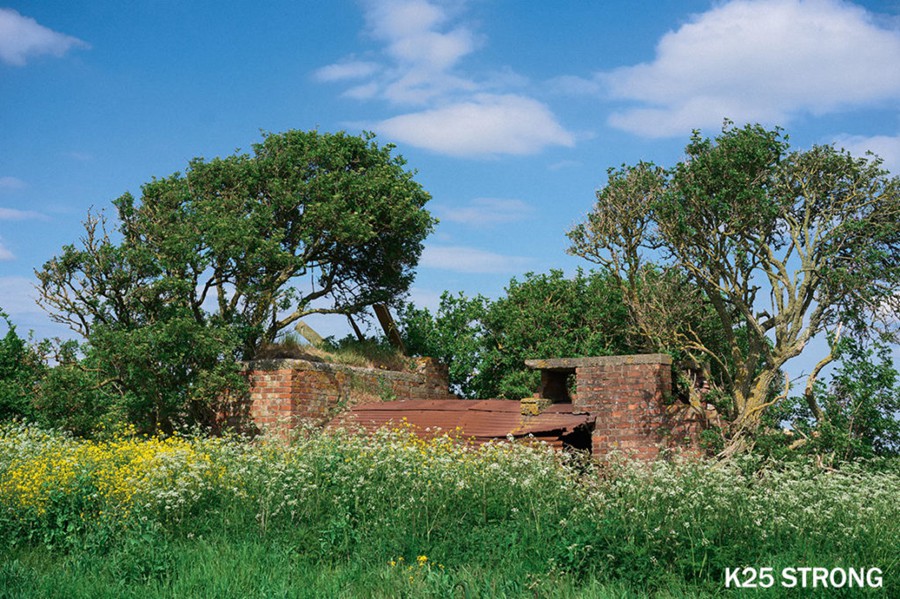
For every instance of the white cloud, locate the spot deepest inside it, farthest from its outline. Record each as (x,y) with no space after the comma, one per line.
(13,214)
(12,183)
(485,125)
(22,38)
(411,29)
(343,71)
(366,91)
(758,60)
(885,146)
(423,49)
(486,212)
(471,260)
(424,298)
(422,46)
(424,43)
(5,254)
(17,296)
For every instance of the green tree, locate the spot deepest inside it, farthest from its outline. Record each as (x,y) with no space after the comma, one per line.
(214,261)
(252,241)
(71,397)
(454,335)
(21,367)
(783,244)
(485,343)
(550,316)
(861,404)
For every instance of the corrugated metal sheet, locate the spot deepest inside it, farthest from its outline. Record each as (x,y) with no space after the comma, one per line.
(482,420)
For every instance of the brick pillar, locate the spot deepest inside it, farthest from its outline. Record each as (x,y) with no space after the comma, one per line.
(626,395)
(272,404)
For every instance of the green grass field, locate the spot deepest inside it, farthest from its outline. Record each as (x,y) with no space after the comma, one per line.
(336,514)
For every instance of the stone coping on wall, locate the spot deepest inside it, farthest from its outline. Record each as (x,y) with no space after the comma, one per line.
(573,363)
(300,364)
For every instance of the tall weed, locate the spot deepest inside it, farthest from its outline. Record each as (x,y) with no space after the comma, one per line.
(453,513)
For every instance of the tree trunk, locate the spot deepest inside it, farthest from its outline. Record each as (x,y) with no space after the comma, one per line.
(750,416)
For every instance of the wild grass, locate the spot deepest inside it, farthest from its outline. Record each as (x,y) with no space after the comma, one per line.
(348,351)
(336,513)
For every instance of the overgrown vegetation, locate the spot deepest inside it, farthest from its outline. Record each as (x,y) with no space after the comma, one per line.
(211,263)
(334,513)
(782,244)
(21,365)
(485,343)
(349,351)
(860,402)
(101,494)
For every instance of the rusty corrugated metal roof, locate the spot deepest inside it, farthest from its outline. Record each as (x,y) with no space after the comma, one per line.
(482,420)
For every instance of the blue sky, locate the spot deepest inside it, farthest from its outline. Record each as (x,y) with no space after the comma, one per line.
(510,111)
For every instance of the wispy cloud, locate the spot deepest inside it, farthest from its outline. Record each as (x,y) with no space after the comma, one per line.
(756,61)
(423,44)
(13,214)
(471,260)
(5,254)
(17,296)
(348,70)
(22,37)
(485,212)
(884,146)
(12,183)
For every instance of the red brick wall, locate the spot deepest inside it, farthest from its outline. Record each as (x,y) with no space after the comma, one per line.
(628,397)
(286,392)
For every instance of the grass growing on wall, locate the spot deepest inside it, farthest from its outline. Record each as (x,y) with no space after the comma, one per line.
(339,514)
(348,351)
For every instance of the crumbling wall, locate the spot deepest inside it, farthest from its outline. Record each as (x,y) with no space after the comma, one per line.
(285,392)
(630,398)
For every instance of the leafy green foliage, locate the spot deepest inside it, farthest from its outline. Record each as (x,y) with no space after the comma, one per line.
(550,316)
(861,405)
(783,245)
(453,335)
(167,375)
(485,343)
(211,263)
(229,240)
(69,397)
(21,365)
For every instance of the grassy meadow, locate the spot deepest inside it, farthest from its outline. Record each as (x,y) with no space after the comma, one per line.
(339,514)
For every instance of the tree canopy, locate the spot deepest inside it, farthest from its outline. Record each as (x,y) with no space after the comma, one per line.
(485,343)
(212,262)
(308,223)
(783,244)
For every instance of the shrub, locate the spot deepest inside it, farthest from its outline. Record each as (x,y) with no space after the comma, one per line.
(21,366)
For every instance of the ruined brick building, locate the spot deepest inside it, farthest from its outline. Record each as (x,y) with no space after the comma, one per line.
(601,404)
